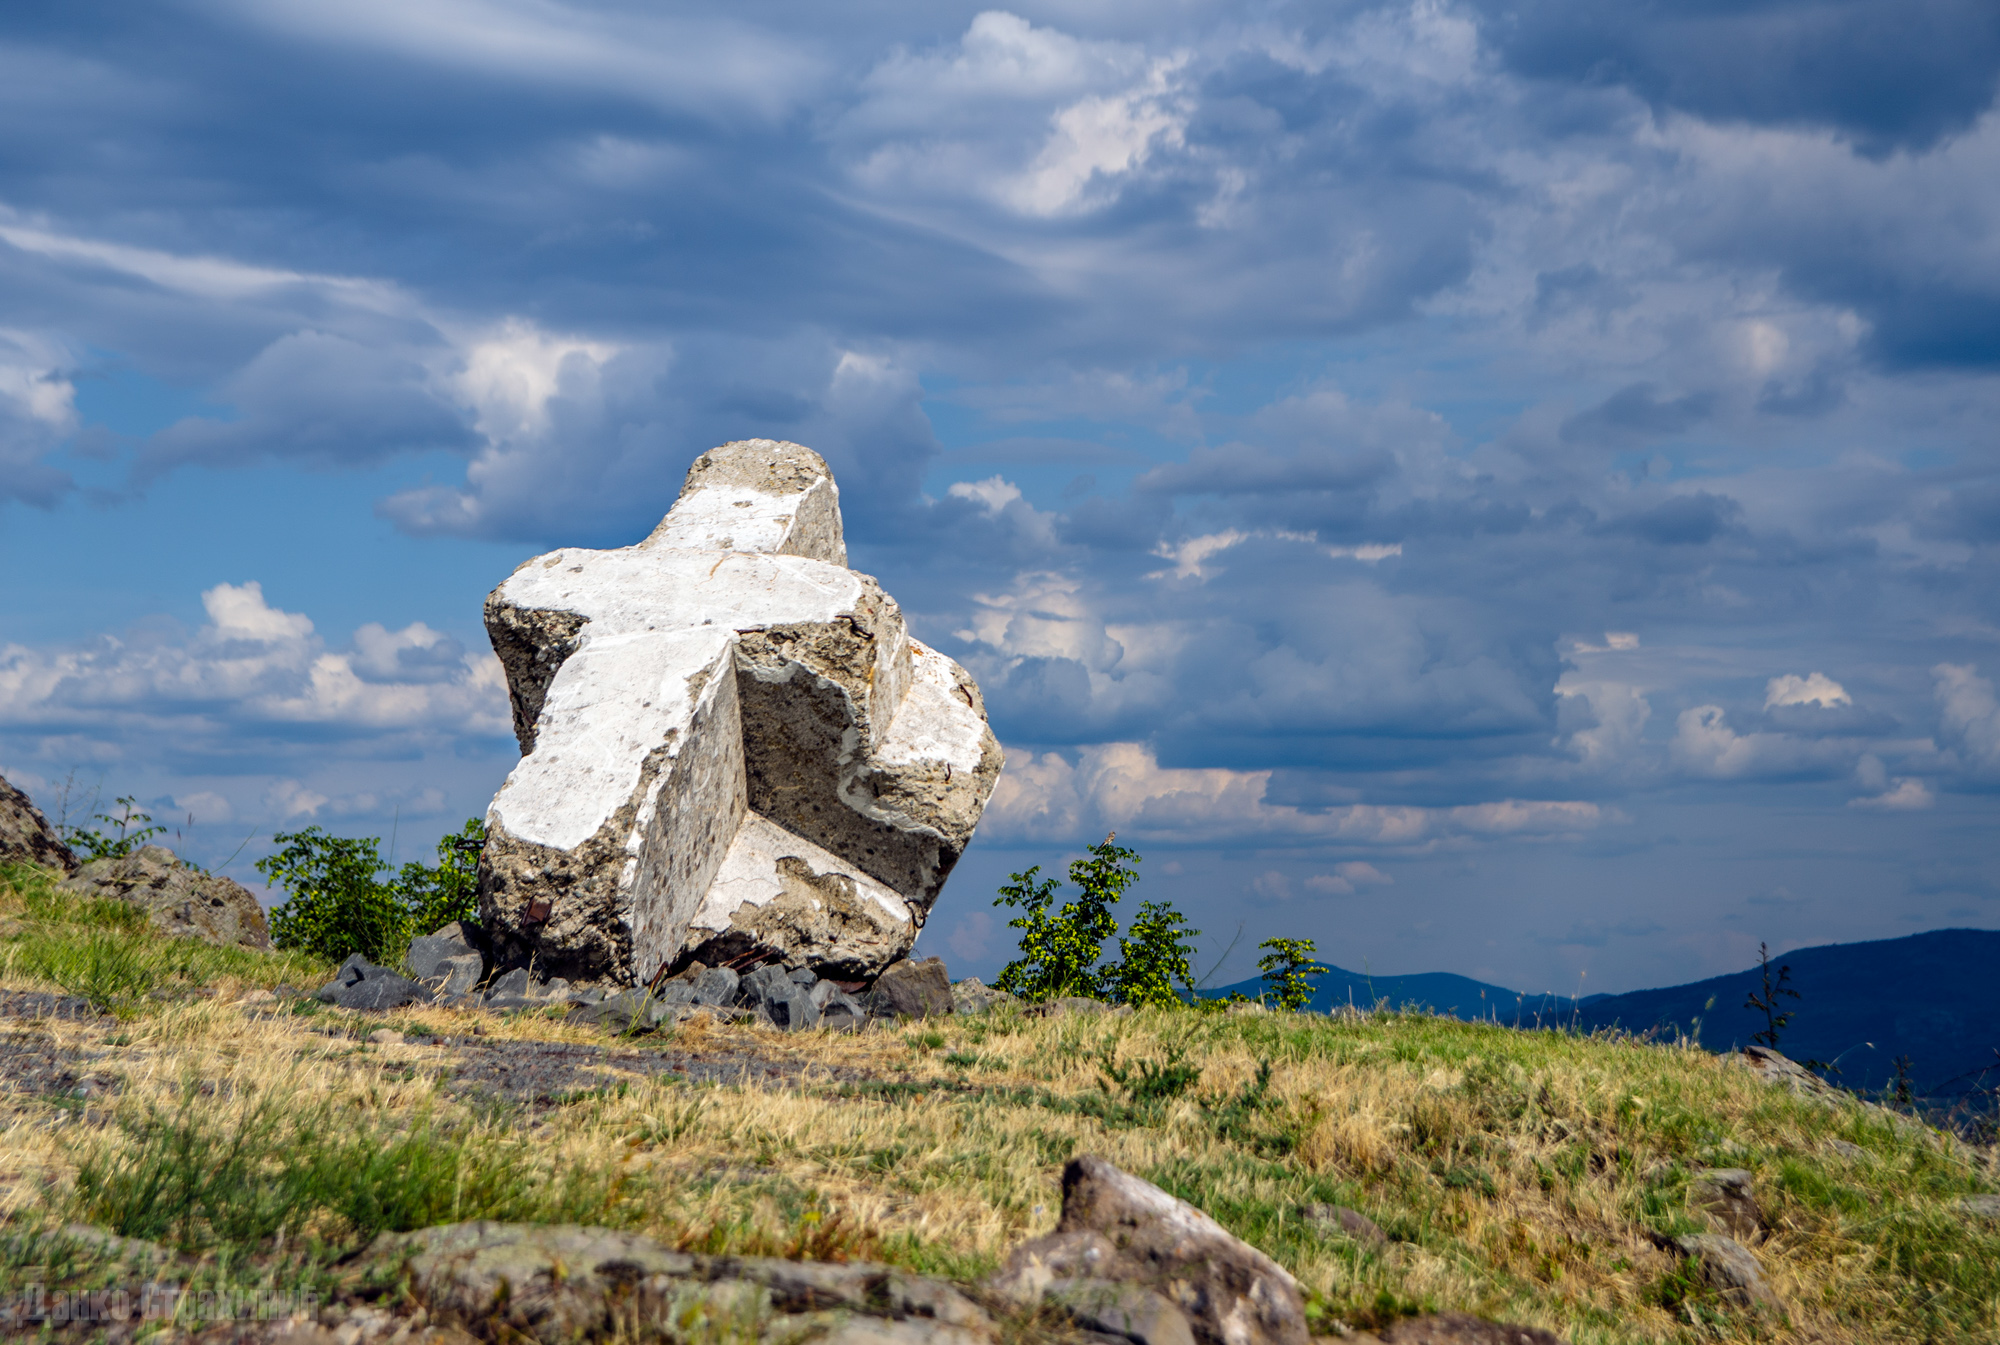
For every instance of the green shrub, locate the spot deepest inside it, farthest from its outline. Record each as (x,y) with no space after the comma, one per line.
(134,830)
(1060,948)
(1288,971)
(337,904)
(1153,954)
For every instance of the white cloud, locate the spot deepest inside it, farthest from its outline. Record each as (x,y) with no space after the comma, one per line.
(1970,713)
(1033,119)
(253,664)
(993,494)
(1812,689)
(1101,137)
(288,799)
(1705,745)
(688,62)
(1347,879)
(1906,796)
(1121,787)
(511,373)
(1190,556)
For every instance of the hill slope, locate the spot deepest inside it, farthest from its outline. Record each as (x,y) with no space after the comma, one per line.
(1934,997)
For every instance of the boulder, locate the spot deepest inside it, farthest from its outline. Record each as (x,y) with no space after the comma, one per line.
(1729,1268)
(1066,1004)
(26,836)
(732,750)
(972,995)
(628,1011)
(562,1282)
(429,953)
(1339,1221)
(911,990)
(717,987)
(1117,1227)
(1727,1197)
(181,901)
(360,984)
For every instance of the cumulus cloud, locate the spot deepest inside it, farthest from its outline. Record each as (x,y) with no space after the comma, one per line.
(1122,787)
(1970,714)
(253,664)
(1812,689)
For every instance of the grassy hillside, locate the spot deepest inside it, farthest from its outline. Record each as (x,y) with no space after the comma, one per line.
(1934,997)
(1520,1174)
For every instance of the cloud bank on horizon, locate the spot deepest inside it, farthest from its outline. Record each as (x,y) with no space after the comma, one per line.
(1507,489)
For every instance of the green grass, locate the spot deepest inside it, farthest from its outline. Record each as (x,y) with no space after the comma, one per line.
(1522,1175)
(107,952)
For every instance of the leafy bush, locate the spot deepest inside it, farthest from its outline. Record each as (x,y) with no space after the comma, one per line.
(1060,948)
(1153,954)
(337,905)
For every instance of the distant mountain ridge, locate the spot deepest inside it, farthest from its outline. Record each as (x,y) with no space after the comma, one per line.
(1934,997)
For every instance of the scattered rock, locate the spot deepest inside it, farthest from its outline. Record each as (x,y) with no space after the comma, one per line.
(360,984)
(1981,1207)
(777,999)
(26,836)
(1117,1227)
(627,1011)
(731,748)
(1775,1068)
(911,990)
(1451,1328)
(1339,1221)
(1730,1269)
(1853,1153)
(181,902)
(1726,1196)
(564,1282)
(428,955)
(717,987)
(972,995)
(255,997)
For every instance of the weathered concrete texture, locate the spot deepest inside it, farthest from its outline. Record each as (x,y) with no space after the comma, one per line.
(733,750)
(181,902)
(26,836)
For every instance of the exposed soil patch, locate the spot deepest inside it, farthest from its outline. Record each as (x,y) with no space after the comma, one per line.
(550,1073)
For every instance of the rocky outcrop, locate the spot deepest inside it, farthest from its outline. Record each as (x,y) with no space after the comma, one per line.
(181,901)
(1728,1197)
(1730,1269)
(733,750)
(1117,1228)
(26,836)
(519,1281)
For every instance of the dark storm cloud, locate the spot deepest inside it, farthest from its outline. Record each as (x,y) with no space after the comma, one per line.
(1889,76)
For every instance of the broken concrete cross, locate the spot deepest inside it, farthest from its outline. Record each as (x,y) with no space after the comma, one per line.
(732,750)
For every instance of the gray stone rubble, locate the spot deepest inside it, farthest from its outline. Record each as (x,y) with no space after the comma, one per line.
(449,968)
(733,752)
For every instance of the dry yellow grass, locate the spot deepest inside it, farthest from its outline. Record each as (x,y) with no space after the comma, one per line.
(1520,1173)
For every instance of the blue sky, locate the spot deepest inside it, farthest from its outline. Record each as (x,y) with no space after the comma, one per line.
(1505,489)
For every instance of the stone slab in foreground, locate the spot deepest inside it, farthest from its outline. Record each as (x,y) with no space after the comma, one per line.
(733,751)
